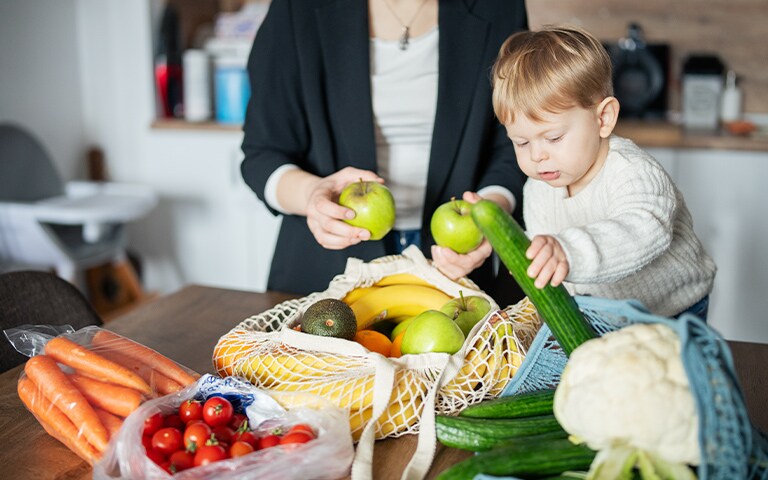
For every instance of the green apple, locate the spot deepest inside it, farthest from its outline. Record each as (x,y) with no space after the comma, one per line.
(452,226)
(400,328)
(467,311)
(373,205)
(432,331)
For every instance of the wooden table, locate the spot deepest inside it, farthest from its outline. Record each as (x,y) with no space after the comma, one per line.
(185,326)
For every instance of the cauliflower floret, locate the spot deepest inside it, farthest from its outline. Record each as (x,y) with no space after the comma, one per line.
(629,389)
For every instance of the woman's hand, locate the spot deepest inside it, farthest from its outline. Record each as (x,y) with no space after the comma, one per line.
(549,263)
(455,265)
(325,217)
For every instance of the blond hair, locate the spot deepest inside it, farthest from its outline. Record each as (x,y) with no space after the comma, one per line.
(550,70)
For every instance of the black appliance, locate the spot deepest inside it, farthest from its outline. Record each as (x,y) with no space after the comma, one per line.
(640,75)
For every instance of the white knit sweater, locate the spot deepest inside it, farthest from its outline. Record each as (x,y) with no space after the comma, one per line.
(627,234)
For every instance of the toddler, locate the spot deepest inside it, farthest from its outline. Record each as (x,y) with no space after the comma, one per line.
(605,218)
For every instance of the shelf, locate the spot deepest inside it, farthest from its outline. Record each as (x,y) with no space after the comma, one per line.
(647,134)
(660,134)
(178,124)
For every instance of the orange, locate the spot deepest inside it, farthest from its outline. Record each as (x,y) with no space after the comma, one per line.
(395,350)
(374,341)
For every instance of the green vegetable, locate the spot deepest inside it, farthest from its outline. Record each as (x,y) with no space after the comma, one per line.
(479,434)
(555,306)
(537,458)
(514,406)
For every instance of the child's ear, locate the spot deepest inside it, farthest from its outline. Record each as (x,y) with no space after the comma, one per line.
(608,115)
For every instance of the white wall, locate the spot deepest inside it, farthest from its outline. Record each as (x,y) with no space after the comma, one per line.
(79,73)
(40,76)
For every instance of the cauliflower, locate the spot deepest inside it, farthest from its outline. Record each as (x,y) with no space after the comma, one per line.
(627,396)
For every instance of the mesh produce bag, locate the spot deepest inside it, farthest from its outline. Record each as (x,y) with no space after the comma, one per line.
(401,395)
(731,447)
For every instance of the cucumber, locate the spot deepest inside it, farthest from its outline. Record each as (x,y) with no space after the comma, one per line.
(555,306)
(479,434)
(537,458)
(515,406)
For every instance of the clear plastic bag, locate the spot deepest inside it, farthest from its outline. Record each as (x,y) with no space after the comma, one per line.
(80,385)
(328,456)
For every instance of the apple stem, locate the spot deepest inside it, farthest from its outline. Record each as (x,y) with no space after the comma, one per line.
(463,301)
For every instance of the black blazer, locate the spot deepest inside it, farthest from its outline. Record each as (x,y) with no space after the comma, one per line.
(311,106)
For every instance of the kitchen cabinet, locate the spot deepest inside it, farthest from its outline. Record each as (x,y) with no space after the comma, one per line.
(725,192)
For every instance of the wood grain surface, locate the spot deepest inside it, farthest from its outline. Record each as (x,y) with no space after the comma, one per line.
(185,326)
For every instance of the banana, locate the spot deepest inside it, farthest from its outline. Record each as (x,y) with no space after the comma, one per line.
(274,366)
(354,294)
(396,301)
(396,419)
(403,279)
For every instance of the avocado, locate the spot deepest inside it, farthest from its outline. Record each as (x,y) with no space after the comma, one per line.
(329,317)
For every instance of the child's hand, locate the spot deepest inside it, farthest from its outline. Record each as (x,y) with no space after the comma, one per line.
(549,265)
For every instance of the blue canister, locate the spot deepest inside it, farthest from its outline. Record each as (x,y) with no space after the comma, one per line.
(232,89)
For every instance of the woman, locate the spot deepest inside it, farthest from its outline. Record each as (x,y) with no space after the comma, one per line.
(395,91)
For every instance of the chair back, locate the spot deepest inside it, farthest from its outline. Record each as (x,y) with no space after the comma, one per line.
(39,298)
(27,173)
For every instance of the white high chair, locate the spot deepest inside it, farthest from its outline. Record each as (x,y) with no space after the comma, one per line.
(45,224)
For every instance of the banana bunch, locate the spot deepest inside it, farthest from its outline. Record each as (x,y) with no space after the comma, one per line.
(333,378)
(394,297)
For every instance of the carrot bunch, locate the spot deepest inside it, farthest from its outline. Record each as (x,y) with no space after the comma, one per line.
(85,409)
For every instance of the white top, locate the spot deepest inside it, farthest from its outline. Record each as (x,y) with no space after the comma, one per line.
(404,93)
(627,234)
(404,96)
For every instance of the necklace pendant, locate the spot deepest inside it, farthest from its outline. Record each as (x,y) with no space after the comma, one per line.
(405,37)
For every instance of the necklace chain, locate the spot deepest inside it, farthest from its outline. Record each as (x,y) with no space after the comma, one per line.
(405,36)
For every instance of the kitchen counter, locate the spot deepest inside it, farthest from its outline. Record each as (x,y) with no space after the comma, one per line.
(647,134)
(661,134)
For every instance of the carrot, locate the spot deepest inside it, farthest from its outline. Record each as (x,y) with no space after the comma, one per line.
(156,380)
(137,351)
(60,391)
(115,399)
(85,361)
(111,422)
(54,421)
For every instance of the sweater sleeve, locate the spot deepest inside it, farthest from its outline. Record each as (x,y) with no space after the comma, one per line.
(641,203)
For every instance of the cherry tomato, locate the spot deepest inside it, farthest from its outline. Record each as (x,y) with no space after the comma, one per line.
(296,437)
(223,434)
(237,421)
(181,460)
(268,441)
(217,411)
(209,453)
(146,441)
(174,421)
(167,440)
(196,434)
(191,410)
(302,427)
(246,436)
(153,423)
(238,449)
(156,456)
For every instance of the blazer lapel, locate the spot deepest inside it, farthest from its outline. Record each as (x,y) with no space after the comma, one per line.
(344,38)
(463,39)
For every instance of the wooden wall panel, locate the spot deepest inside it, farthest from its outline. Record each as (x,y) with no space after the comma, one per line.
(735,30)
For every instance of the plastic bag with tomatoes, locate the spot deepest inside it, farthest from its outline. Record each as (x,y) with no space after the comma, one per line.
(162,429)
